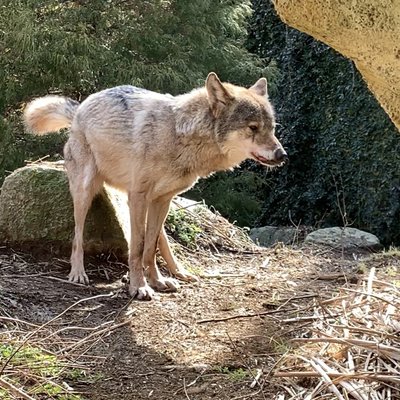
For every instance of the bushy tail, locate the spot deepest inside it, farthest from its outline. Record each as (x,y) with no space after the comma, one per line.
(49,114)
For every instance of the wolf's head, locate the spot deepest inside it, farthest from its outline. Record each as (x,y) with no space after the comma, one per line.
(245,122)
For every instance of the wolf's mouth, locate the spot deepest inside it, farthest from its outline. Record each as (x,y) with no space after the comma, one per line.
(264,161)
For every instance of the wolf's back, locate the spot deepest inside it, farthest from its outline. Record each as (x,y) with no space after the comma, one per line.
(49,114)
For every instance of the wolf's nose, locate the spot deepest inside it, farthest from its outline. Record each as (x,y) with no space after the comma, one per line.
(281,155)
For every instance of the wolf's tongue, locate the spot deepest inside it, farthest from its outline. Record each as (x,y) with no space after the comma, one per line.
(260,158)
(263,159)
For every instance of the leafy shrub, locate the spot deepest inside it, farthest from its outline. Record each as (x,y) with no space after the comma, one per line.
(238,195)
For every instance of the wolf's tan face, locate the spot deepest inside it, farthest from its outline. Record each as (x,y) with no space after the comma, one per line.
(245,123)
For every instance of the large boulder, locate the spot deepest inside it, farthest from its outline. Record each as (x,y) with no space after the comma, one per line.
(367,32)
(347,238)
(36,212)
(269,235)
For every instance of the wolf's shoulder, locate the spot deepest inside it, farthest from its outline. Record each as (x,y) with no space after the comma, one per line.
(125,98)
(132,91)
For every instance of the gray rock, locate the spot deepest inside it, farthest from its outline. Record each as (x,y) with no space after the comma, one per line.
(269,235)
(36,211)
(346,238)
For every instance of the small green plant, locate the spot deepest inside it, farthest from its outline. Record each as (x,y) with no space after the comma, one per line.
(235,374)
(182,227)
(32,358)
(280,345)
(362,268)
(391,252)
(392,271)
(80,375)
(45,372)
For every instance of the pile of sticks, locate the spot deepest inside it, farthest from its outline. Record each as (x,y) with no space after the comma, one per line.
(351,350)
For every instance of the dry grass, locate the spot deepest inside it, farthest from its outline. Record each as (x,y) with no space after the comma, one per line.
(352,349)
(280,323)
(43,360)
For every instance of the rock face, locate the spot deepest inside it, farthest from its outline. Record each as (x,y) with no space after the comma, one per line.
(343,238)
(366,31)
(269,235)
(36,207)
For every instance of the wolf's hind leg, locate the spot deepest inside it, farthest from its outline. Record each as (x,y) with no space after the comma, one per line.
(84,183)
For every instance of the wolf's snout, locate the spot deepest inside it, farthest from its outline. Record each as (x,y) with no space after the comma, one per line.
(281,155)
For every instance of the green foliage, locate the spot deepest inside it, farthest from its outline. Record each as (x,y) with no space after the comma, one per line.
(32,357)
(235,374)
(79,47)
(237,195)
(179,224)
(16,147)
(343,148)
(46,372)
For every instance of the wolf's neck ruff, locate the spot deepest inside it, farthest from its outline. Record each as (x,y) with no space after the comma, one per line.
(203,151)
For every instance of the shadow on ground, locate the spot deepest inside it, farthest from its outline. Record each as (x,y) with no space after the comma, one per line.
(207,341)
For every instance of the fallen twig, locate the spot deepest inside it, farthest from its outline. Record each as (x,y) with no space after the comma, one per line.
(35,331)
(19,393)
(371,376)
(260,314)
(388,351)
(93,334)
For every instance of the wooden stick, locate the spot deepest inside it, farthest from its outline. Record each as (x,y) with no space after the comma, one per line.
(260,314)
(371,295)
(93,334)
(18,321)
(372,376)
(394,352)
(35,331)
(366,330)
(266,313)
(325,377)
(19,393)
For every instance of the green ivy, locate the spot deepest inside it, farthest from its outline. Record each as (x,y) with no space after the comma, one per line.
(344,150)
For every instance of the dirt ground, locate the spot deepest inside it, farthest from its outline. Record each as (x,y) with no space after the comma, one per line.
(207,341)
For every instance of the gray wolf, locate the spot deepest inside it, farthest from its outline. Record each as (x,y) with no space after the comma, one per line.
(154,146)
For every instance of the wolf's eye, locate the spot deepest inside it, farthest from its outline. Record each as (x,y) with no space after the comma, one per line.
(253,128)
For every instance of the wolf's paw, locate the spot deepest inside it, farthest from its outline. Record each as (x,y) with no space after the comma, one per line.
(183,275)
(162,284)
(78,276)
(144,292)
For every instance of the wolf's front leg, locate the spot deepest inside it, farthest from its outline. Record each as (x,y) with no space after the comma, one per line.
(156,215)
(138,286)
(174,267)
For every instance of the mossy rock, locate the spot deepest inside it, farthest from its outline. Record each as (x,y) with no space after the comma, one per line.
(36,211)
(269,235)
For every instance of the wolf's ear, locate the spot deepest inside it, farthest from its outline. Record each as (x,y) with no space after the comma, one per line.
(218,96)
(260,87)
